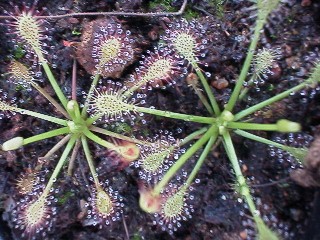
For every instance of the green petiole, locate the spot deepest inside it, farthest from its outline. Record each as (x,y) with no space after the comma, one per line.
(212,131)
(45,135)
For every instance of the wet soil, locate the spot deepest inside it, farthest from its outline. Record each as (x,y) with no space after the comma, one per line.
(289,209)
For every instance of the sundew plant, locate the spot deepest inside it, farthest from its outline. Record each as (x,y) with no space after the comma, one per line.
(182,45)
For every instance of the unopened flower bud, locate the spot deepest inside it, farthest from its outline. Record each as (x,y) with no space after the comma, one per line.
(12,144)
(285,126)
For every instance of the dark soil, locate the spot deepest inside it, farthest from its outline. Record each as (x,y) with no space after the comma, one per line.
(288,208)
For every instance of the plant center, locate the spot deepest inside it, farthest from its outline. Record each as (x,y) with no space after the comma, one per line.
(222,121)
(78,123)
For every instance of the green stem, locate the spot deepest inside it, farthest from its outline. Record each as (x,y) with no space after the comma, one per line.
(50,99)
(203,99)
(201,159)
(231,153)
(207,88)
(54,84)
(42,136)
(245,191)
(94,83)
(212,131)
(245,68)
(187,139)
(59,166)
(298,153)
(90,160)
(42,116)
(243,93)
(39,54)
(115,135)
(168,114)
(253,126)
(260,139)
(99,140)
(192,136)
(245,90)
(269,101)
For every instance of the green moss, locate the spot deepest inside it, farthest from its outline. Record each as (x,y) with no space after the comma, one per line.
(19,52)
(136,236)
(146,132)
(76,32)
(64,198)
(122,128)
(190,14)
(219,7)
(19,87)
(165,4)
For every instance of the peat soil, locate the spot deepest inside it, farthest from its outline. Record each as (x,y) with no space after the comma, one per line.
(290,209)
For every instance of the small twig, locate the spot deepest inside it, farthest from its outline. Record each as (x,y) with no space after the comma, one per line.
(202,10)
(84,175)
(125,227)
(115,13)
(73,157)
(55,148)
(270,184)
(74,80)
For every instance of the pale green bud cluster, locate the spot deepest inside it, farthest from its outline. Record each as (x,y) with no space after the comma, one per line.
(12,144)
